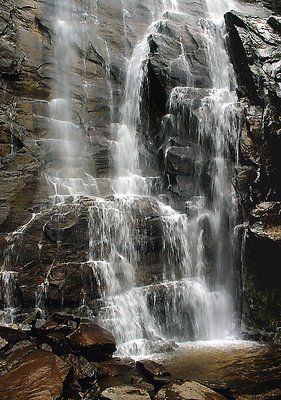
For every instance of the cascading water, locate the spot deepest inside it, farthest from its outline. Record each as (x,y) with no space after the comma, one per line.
(8,287)
(128,174)
(188,300)
(211,219)
(68,174)
(125,310)
(190,296)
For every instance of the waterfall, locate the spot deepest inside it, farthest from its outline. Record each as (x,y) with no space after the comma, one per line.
(66,146)
(128,179)
(162,272)
(219,8)
(186,303)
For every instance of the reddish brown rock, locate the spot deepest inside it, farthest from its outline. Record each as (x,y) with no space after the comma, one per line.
(12,355)
(116,372)
(71,335)
(40,376)
(187,391)
(92,341)
(155,372)
(115,367)
(125,392)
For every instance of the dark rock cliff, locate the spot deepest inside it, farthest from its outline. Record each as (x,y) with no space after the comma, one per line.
(254,48)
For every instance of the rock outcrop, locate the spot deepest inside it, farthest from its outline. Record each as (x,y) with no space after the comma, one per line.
(71,358)
(53,358)
(124,392)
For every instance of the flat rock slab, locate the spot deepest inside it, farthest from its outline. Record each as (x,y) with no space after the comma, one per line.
(187,391)
(12,335)
(12,355)
(40,376)
(124,393)
(115,367)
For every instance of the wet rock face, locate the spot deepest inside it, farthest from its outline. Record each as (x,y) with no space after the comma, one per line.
(61,244)
(254,47)
(27,78)
(40,374)
(178,74)
(261,294)
(187,391)
(45,360)
(124,392)
(275,5)
(254,51)
(25,86)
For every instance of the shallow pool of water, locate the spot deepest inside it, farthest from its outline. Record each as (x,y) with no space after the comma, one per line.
(245,367)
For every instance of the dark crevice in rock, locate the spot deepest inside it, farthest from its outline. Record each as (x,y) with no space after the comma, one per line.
(157,97)
(240,60)
(275,23)
(44,29)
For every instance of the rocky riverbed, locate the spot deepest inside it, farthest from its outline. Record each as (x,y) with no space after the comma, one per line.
(67,357)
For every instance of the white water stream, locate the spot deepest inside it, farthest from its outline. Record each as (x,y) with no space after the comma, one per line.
(186,300)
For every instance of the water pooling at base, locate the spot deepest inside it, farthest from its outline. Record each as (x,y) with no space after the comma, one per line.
(250,370)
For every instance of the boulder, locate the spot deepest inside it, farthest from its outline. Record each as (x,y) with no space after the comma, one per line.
(84,372)
(67,334)
(12,355)
(117,372)
(156,373)
(125,393)
(115,367)
(140,383)
(92,341)
(187,391)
